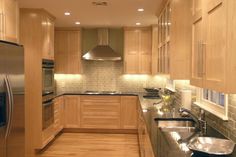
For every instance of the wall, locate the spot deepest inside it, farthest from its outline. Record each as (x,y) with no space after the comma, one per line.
(106,76)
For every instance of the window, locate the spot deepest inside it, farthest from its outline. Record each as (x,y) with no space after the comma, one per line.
(213,102)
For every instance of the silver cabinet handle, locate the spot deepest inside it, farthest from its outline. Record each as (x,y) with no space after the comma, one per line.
(204,58)
(10,106)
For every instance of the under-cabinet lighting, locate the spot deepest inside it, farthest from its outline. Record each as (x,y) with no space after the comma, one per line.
(140,10)
(138,23)
(67,76)
(67,13)
(77,23)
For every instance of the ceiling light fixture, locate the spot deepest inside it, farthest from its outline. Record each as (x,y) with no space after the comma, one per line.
(140,9)
(67,13)
(138,23)
(77,23)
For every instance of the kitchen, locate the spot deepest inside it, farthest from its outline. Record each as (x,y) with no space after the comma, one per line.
(82,78)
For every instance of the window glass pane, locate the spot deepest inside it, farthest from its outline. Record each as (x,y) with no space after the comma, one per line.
(215,97)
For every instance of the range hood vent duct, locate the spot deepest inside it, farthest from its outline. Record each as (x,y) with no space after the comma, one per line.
(102,52)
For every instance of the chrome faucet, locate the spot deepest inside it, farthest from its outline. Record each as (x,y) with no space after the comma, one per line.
(201,124)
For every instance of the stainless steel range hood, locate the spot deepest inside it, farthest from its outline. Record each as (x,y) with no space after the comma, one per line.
(102,52)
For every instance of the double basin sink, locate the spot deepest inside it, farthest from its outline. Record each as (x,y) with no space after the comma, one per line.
(189,134)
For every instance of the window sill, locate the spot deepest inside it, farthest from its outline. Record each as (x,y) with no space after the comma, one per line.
(219,114)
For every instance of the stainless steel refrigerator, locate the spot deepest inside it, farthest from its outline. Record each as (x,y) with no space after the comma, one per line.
(12,106)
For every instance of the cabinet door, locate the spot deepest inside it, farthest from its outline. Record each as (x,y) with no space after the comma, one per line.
(51,31)
(148,145)
(131,63)
(61,47)
(48,40)
(100,112)
(58,114)
(216,44)
(72,112)
(145,50)
(68,52)
(10,17)
(129,112)
(197,51)
(74,52)
(1,21)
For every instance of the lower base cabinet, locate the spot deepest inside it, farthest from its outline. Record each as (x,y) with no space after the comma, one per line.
(58,114)
(145,145)
(100,112)
(72,111)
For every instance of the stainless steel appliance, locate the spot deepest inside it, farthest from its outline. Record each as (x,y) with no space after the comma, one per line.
(12,106)
(48,113)
(48,76)
(102,52)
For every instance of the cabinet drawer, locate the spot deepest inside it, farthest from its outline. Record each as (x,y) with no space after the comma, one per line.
(101,99)
(100,109)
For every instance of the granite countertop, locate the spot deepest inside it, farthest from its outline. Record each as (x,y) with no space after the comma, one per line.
(166,142)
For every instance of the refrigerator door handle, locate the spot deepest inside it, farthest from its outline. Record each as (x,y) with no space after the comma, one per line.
(10,106)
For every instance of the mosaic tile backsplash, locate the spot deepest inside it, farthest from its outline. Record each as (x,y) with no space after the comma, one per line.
(108,76)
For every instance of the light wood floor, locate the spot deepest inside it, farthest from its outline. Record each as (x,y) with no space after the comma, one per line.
(93,145)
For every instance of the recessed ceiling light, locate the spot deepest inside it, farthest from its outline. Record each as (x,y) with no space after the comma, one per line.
(138,23)
(77,23)
(140,9)
(67,13)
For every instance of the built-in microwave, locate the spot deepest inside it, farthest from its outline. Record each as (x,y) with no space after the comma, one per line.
(48,76)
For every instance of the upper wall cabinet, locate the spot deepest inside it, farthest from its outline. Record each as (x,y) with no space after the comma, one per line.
(138,51)
(48,41)
(214,38)
(68,51)
(43,25)
(9,20)
(174,39)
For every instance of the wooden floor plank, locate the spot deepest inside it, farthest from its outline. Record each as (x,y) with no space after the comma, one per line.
(93,145)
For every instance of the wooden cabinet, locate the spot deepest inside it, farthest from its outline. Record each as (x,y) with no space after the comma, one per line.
(47,136)
(216,50)
(129,112)
(163,56)
(197,44)
(72,112)
(9,20)
(42,24)
(68,51)
(180,39)
(138,50)
(58,114)
(100,112)
(174,40)
(145,145)
(48,41)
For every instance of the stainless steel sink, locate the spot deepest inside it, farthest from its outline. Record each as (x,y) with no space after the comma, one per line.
(211,146)
(176,125)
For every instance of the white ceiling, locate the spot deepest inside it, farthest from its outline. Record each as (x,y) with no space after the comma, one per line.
(117,13)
